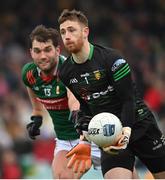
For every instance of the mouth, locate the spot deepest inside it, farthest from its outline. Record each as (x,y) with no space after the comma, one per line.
(69,43)
(45,63)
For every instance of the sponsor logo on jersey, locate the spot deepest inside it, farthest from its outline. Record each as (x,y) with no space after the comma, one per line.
(97,94)
(117,64)
(97,74)
(73,81)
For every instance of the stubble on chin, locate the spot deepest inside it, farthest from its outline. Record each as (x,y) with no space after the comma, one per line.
(49,69)
(73,50)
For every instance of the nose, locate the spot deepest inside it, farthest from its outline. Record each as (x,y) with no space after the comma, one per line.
(43,55)
(67,36)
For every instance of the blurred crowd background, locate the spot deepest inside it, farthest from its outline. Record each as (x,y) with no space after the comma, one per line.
(135,27)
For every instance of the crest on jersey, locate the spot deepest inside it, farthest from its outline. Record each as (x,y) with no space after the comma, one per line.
(97,74)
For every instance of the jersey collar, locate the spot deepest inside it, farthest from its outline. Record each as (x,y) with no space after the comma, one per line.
(90,53)
(48,78)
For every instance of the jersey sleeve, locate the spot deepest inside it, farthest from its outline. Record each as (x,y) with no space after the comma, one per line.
(64,72)
(27,74)
(120,73)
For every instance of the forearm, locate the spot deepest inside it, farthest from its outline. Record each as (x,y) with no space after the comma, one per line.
(125,93)
(72,101)
(37,112)
(128,114)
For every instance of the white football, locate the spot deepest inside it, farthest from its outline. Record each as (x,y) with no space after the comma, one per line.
(104,129)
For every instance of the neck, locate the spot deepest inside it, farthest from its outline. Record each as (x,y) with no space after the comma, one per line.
(83,54)
(48,72)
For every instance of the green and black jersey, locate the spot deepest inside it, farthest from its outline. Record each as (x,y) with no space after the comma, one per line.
(104,84)
(52,93)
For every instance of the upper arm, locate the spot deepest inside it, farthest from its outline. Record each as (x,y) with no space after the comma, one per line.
(120,74)
(36,105)
(124,88)
(122,78)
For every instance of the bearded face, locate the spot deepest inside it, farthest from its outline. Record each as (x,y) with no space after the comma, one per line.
(73,35)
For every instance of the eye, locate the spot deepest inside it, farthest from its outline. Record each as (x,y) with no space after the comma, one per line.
(72,29)
(37,51)
(48,49)
(62,32)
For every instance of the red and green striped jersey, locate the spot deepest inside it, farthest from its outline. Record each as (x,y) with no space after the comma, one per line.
(52,93)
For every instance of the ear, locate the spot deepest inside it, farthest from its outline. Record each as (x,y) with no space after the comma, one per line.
(31,51)
(86,32)
(58,50)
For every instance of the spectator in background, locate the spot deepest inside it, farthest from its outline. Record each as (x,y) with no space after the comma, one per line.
(11,169)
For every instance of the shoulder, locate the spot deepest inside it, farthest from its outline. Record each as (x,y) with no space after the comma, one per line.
(28,66)
(108,56)
(108,52)
(62,58)
(113,59)
(28,73)
(65,69)
(64,64)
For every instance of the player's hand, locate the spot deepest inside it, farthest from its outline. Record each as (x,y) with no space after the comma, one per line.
(80,121)
(80,156)
(122,142)
(33,128)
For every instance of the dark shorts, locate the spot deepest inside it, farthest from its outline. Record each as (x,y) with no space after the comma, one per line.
(149,148)
(124,159)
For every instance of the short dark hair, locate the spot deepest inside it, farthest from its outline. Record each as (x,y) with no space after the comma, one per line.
(43,34)
(73,15)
